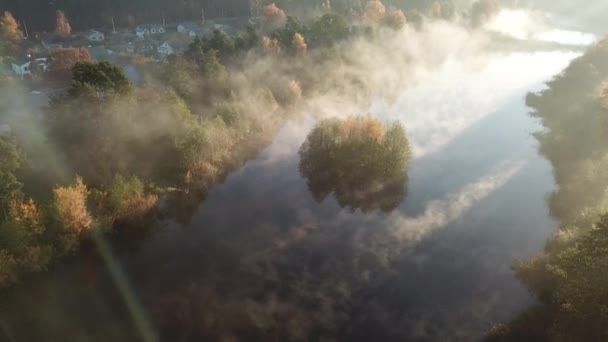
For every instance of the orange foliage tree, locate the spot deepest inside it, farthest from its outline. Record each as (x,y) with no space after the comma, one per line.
(62,25)
(375,11)
(273,17)
(10,30)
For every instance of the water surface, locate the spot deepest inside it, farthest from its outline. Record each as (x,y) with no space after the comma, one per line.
(261,252)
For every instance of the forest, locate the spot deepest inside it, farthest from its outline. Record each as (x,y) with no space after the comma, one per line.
(108,165)
(568,279)
(108,152)
(38,15)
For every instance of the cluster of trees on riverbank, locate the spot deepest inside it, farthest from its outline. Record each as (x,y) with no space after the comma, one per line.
(569,279)
(105,153)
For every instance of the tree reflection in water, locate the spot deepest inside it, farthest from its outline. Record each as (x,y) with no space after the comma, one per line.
(361,160)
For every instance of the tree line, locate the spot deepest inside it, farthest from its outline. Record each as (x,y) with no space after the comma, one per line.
(568,279)
(85,14)
(118,149)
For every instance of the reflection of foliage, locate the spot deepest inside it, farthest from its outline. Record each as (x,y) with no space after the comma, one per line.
(363,163)
(569,278)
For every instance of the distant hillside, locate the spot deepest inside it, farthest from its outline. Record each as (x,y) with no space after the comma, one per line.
(39,15)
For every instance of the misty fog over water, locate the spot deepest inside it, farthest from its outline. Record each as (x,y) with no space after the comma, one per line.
(438,267)
(475,202)
(262,246)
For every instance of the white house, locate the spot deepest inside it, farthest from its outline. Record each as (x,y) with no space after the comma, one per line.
(188,28)
(165,49)
(143,30)
(95,36)
(22,67)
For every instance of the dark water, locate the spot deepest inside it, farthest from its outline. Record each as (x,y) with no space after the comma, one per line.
(262,258)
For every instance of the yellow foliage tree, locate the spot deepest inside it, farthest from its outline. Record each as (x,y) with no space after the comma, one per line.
(299,44)
(271,45)
(70,204)
(27,215)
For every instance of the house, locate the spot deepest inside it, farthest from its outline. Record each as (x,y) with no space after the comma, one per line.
(144,30)
(95,36)
(53,41)
(189,29)
(165,49)
(22,67)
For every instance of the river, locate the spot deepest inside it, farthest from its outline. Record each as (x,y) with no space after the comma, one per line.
(261,257)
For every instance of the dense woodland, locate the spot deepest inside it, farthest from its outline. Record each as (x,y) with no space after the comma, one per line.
(85,14)
(112,159)
(108,160)
(106,152)
(569,279)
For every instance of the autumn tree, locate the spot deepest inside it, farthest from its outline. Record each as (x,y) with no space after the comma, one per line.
(273,17)
(10,30)
(299,44)
(271,45)
(126,202)
(395,18)
(436,11)
(374,11)
(62,25)
(23,247)
(62,61)
(10,187)
(70,205)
